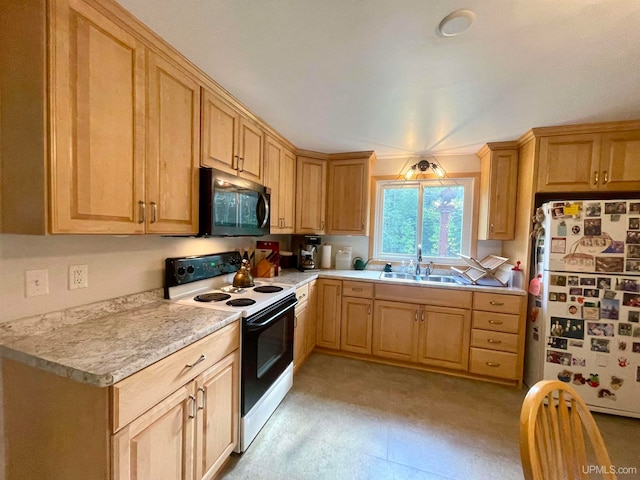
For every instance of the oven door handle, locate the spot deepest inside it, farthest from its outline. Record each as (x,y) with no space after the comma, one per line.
(252,327)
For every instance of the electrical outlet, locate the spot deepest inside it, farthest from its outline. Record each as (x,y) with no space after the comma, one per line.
(78,276)
(36,282)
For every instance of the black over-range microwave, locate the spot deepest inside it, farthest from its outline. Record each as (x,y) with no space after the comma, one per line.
(232,206)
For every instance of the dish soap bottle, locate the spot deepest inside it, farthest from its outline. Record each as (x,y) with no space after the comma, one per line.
(403,267)
(411,269)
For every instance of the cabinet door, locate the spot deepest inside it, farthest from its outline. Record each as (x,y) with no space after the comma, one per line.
(620,161)
(220,124)
(357,324)
(569,163)
(348,197)
(98,101)
(498,190)
(395,330)
(287,191)
(444,337)
(300,335)
(310,195)
(217,417)
(173,150)
(159,444)
(250,151)
(329,310)
(273,154)
(311,317)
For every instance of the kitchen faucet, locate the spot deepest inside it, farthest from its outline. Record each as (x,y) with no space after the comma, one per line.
(419,259)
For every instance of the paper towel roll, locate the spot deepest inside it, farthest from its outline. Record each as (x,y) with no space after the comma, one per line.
(325,258)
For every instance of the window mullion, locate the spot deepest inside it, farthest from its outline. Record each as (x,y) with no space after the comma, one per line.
(419,226)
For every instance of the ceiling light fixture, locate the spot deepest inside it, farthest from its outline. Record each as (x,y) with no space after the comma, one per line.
(456,22)
(424,165)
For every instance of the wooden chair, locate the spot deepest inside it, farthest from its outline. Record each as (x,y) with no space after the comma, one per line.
(553,420)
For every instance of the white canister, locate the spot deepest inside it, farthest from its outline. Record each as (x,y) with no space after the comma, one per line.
(343,260)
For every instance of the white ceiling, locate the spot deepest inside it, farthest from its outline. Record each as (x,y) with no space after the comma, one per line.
(345,75)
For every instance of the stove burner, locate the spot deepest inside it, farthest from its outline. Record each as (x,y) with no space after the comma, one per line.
(241,302)
(268,289)
(211,297)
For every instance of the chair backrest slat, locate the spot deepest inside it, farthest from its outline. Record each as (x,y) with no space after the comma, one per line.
(552,440)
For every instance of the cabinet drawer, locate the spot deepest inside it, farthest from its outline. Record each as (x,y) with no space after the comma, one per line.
(506,342)
(357,289)
(136,394)
(494,302)
(497,322)
(302,294)
(493,363)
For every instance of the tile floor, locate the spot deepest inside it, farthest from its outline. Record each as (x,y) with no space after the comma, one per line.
(347,419)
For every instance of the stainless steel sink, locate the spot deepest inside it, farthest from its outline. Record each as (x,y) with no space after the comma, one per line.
(440,278)
(418,278)
(400,276)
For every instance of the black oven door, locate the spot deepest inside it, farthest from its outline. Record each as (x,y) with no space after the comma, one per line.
(267,349)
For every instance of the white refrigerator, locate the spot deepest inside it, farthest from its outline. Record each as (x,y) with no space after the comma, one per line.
(583,327)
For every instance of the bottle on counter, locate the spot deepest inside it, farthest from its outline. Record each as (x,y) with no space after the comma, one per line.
(411,269)
(515,281)
(403,267)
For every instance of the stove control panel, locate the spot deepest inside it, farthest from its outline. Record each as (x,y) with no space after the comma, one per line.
(182,270)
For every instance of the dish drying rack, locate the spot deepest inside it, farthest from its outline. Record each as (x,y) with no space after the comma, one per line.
(487,268)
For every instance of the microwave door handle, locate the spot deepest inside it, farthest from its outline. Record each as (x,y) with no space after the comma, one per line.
(252,327)
(266,210)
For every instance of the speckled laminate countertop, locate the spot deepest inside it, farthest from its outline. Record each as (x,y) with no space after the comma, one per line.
(104,350)
(103,343)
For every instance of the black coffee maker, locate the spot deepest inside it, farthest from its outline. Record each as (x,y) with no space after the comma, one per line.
(308,252)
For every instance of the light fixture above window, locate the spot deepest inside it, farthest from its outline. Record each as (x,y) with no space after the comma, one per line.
(422,166)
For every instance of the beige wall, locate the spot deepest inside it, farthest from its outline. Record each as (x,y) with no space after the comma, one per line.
(117,266)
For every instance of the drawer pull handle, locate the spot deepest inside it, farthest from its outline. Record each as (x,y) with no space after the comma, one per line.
(491,340)
(203,405)
(202,358)
(495,322)
(194,408)
(357,289)
(595,178)
(497,304)
(605,180)
(492,364)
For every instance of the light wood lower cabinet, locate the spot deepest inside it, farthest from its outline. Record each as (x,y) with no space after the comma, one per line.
(300,335)
(444,337)
(329,313)
(304,332)
(395,330)
(312,317)
(356,325)
(168,421)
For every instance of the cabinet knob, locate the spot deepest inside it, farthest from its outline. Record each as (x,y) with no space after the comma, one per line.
(491,228)
(605,177)
(416,316)
(595,178)
(322,225)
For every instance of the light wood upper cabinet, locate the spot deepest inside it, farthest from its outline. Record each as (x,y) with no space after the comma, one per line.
(444,337)
(498,191)
(98,132)
(230,142)
(280,171)
(329,313)
(348,193)
(356,325)
(620,161)
(311,182)
(220,124)
(584,162)
(173,149)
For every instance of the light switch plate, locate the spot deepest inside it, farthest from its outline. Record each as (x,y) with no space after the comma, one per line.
(36,282)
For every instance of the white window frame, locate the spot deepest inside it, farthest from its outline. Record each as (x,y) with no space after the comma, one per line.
(469,185)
